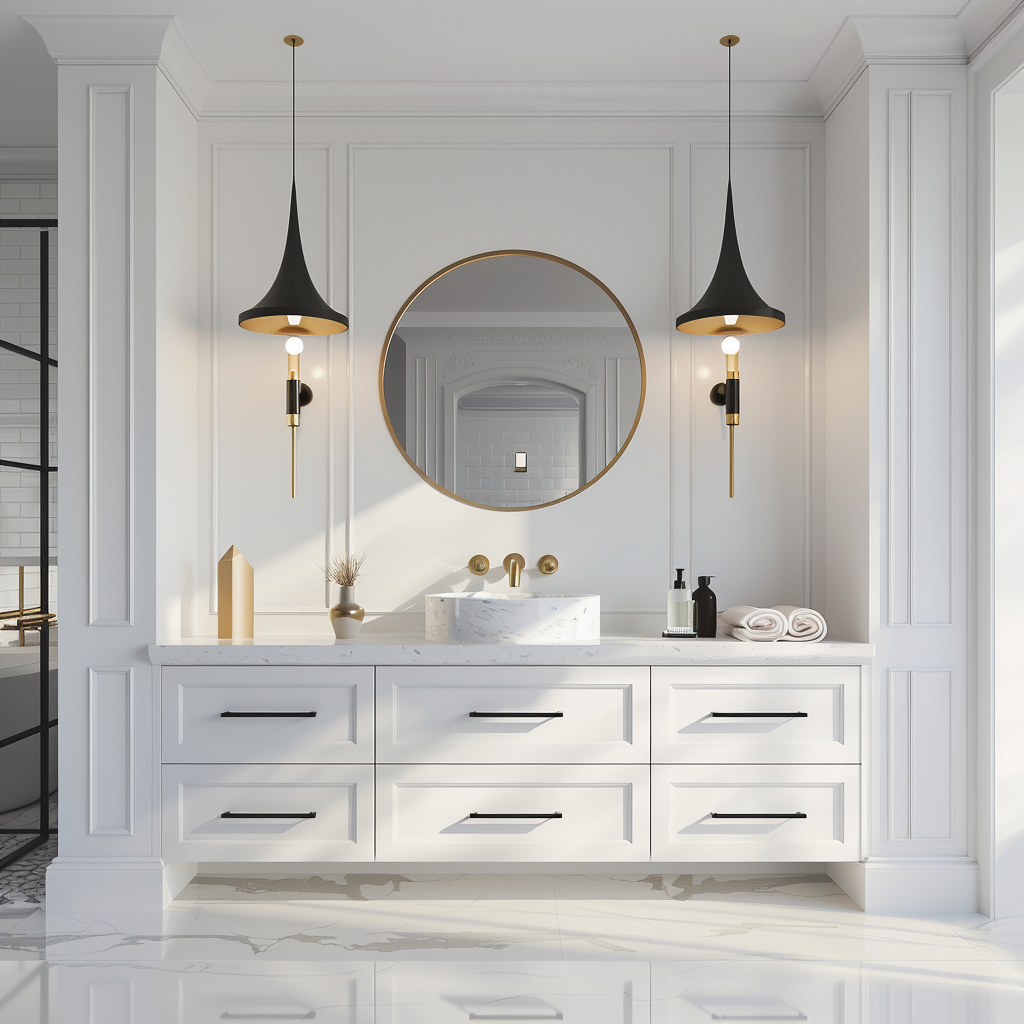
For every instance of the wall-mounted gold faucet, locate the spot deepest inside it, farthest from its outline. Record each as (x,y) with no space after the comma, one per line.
(514,566)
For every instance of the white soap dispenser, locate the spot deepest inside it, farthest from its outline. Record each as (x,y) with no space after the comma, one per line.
(680,611)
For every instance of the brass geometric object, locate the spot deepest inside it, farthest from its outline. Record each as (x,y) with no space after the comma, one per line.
(479,565)
(235,607)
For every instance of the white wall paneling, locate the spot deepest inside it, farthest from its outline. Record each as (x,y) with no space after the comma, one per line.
(111,752)
(921,315)
(111,341)
(922,755)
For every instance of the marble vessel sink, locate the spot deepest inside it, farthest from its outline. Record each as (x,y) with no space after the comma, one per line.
(479,617)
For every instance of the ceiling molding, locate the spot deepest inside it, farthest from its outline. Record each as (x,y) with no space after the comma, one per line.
(124,41)
(862,42)
(511,99)
(28,163)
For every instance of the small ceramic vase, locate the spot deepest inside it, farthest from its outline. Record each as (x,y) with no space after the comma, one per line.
(346,615)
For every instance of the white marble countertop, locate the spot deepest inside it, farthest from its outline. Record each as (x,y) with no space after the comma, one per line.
(410,650)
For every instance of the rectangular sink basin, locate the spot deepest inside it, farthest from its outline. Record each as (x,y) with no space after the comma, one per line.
(479,617)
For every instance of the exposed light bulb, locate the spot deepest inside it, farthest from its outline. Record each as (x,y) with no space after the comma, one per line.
(294,321)
(730,346)
(293,346)
(729,318)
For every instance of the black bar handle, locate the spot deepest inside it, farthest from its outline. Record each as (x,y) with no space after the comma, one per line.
(799,814)
(758,714)
(555,814)
(763,1017)
(268,714)
(557,1015)
(516,714)
(268,1016)
(235,814)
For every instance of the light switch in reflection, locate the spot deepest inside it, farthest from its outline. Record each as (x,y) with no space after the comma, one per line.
(520,462)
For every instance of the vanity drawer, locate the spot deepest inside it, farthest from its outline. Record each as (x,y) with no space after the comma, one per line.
(279,801)
(262,714)
(452,993)
(254,991)
(756,990)
(540,813)
(756,715)
(685,798)
(524,715)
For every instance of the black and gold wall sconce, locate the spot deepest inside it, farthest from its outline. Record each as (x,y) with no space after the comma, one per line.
(293,307)
(730,307)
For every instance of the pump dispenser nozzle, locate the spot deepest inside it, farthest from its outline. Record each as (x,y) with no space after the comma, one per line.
(680,583)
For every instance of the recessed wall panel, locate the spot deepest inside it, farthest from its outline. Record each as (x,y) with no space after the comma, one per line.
(111,339)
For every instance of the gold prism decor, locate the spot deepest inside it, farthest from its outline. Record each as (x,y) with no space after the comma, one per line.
(235,607)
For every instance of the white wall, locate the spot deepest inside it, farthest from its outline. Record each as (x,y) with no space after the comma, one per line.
(385,204)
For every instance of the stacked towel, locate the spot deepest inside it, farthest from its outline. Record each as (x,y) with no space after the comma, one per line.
(745,622)
(804,625)
(767,625)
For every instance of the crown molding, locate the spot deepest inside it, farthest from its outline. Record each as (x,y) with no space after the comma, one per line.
(28,163)
(862,42)
(127,40)
(272,100)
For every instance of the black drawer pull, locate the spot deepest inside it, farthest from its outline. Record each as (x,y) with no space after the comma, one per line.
(557,1015)
(516,714)
(784,1016)
(268,714)
(555,814)
(758,714)
(268,1016)
(236,814)
(799,814)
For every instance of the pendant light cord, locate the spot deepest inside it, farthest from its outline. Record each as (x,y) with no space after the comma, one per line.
(730,110)
(293,112)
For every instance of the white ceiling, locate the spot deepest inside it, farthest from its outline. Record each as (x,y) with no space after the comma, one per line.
(458,41)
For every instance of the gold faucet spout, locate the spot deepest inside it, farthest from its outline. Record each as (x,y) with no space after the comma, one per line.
(514,566)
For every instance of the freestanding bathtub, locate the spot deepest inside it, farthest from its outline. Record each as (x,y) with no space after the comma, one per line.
(19,710)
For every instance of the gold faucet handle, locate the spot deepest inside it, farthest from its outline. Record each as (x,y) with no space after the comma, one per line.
(479,565)
(548,564)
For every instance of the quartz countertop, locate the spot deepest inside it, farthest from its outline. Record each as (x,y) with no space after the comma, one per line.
(412,650)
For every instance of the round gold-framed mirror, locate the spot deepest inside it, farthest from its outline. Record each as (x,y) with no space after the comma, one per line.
(512,380)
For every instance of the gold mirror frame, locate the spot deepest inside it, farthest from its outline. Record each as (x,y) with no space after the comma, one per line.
(486,256)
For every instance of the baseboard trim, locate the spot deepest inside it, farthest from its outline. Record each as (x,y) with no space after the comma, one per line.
(910,885)
(91,884)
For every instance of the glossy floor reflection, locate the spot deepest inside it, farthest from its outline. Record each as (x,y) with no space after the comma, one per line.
(455,992)
(456,948)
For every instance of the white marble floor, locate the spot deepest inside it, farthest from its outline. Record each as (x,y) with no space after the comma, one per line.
(458,948)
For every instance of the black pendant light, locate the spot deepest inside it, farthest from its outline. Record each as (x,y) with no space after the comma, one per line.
(293,307)
(730,305)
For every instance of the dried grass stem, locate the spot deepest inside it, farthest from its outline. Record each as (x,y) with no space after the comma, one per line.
(344,569)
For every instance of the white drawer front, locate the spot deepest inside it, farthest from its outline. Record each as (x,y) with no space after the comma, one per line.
(431,813)
(755,990)
(686,796)
(264,714)
(756,715)
(327,993)
(196,796)
(519,715)
(575,993)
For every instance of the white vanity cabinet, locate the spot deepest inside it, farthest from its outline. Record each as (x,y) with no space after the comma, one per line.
(598,760)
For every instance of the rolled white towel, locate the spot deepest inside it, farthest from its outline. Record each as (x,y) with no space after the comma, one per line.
(803,625)
(745,622)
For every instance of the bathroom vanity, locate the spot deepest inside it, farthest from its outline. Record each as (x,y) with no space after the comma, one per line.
(403,753)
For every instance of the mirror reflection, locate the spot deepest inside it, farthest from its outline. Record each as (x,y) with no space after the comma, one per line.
(512,380)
